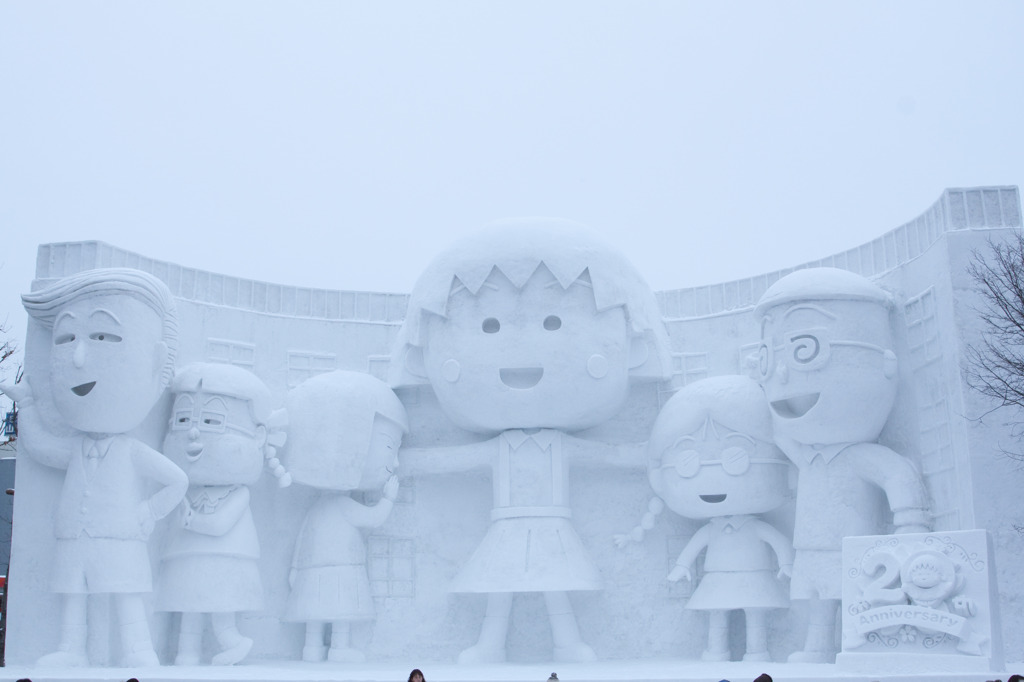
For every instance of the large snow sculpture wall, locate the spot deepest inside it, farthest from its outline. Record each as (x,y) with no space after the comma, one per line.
(285,335)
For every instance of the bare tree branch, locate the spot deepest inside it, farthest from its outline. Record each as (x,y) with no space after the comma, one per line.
(995,367)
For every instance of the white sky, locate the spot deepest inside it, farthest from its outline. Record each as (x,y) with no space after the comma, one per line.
(341,144)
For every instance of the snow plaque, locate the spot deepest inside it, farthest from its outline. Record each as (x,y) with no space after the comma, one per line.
(924,598)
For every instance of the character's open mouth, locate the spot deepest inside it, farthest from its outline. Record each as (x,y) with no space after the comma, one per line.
(521,377)
(714,499)
(82,389)
(797,406)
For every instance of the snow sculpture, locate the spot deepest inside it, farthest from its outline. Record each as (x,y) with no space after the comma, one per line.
(828,370)
(221,430)
(711,456)
(344,435)
(527,331)
(114,339)
(924,597)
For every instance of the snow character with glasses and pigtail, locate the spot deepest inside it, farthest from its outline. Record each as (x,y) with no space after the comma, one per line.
(711,456)
(222,430)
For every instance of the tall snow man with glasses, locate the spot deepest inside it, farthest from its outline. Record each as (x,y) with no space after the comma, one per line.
(827,366)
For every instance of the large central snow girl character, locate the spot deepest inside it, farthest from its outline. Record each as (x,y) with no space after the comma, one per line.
(529,331)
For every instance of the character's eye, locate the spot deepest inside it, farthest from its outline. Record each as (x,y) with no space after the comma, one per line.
(552,322)
(105,336)
(491,325)
(806,348)
(764,360)
(212,420)
(735,460)
(686,462)
(182,420)
(63,338)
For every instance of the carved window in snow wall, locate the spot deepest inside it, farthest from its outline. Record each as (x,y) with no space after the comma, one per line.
(231,353)
(686,368)
(377,366)
(391,565)
(304,364)
(932,390)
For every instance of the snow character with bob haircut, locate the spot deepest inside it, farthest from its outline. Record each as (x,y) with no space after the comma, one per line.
(830,375)
(222,429)
(711,456)
(344,435)
(526,332)
(114,335)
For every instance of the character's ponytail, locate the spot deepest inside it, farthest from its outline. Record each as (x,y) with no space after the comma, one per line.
(654,507)
(276,436)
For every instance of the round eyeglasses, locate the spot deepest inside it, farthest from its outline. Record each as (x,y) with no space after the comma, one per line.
(210,421)
(805,350)
(734,460)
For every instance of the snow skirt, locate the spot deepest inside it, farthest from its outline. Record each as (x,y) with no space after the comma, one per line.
(329,593)
(726,590)
(209,583)
(529,554)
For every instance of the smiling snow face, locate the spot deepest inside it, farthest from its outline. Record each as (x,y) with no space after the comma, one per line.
(540,356)
(716,471)
(106,362)
(214,439)
(827,370)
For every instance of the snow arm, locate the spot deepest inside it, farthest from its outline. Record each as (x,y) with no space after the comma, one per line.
(447,459)
(36,438)
(362,516)
(174,483)
(689,554)
(903,486)
(779,543)
(616,455)
(224,519)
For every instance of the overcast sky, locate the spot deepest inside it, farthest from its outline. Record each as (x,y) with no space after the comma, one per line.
(341,144)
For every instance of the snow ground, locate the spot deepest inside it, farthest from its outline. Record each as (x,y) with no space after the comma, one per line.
(664,670)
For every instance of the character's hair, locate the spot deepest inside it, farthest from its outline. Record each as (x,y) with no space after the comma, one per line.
(734,401)
(517,248)
(416,671)
(235,382)
(44,305)
(822,284)
(331,424)
(928,560)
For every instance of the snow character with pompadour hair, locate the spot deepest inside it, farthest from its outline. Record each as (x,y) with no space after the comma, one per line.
(711,456)
(114,336)
(527,332)
(345,429)
(222,430)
